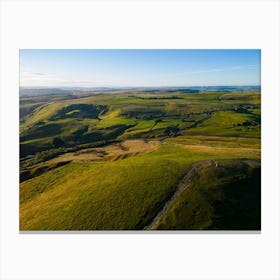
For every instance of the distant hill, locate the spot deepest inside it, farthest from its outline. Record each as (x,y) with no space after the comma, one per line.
(43,91)
(226,88)
(24,91)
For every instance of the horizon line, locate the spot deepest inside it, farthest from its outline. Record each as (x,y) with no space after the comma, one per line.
(249,85)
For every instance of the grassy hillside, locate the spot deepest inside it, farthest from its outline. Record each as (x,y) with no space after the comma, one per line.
(123,116)
(122,194)
(223,194)
(113,160)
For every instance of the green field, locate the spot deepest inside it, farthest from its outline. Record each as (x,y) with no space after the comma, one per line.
(119,161)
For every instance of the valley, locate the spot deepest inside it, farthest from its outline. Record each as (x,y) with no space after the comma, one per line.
(136,159)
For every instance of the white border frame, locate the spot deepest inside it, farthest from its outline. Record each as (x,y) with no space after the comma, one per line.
(140,24)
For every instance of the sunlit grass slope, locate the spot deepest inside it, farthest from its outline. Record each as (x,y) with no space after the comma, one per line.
(105,117)
(77,173)
(230,124)
(123,194)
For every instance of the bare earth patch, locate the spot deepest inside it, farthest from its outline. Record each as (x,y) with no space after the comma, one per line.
(128,147)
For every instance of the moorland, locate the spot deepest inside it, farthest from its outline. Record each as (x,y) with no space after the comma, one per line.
(161,159)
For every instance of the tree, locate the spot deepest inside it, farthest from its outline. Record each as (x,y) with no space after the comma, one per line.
(57,142)
(171,130)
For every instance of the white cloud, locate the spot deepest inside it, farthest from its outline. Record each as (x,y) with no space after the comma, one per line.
(30,78)
(211,70)
(38,79)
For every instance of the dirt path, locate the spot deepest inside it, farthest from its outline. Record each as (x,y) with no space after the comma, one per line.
(189,176)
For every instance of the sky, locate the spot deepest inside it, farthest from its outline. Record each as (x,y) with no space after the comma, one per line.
(138,68)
